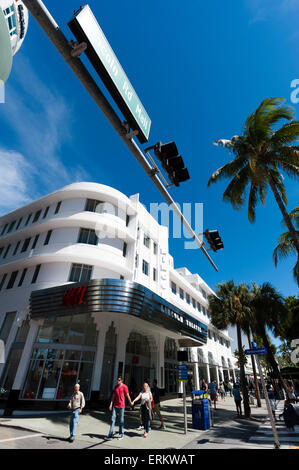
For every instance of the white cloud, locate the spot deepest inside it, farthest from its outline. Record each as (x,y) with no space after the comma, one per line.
(15,181)
(41,120)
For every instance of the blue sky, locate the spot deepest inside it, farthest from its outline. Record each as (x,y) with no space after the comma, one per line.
(200,69)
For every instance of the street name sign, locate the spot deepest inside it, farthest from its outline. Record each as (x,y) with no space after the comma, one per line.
(183,373)
(86,29)
(255,351)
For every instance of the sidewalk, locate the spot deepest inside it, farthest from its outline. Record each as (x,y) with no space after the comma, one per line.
(94,426)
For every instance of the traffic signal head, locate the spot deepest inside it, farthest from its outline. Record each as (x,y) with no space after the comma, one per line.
(172,162)
(214,240)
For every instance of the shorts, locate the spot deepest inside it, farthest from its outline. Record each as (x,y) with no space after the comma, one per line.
(214,396)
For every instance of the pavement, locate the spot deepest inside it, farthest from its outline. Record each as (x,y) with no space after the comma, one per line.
(229,432)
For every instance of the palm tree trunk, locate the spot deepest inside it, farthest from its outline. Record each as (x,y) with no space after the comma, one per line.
(247,410)
(272,361)
(256,385)
(285,214)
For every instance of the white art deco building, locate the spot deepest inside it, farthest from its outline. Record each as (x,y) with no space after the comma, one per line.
(13,28)
(88,290)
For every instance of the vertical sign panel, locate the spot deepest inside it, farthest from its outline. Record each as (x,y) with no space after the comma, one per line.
(86,29)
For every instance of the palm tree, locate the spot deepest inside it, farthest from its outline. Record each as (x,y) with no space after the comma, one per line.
(260,154)
(230,306)
(269,312)
(286,245)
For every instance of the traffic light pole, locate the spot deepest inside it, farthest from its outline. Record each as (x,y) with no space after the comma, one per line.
(65,48)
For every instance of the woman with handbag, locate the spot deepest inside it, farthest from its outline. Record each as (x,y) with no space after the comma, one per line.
(146,398)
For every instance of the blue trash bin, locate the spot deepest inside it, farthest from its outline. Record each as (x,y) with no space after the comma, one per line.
(200,414)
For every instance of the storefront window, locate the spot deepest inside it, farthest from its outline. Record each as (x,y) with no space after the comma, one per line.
(67,356)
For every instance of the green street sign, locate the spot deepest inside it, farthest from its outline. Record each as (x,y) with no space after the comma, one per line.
(5,50)
(86,29)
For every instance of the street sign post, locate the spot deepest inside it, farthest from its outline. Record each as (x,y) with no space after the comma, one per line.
(257,352)
(86,29)
(183,377)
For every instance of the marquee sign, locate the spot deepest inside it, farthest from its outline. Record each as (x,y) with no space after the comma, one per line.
(120,296)
(86,29)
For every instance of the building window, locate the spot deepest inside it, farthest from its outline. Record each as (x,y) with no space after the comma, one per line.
(34,242)
(36,216)
(22,277)
(188,298)
(136,261)
(6,326)
(46,212)
(209,334)
(154,274)
(25,245)
(146,241)
(91,205)
(198,307)
(182,296)
(36,273)
(127,220)
(80,273)
(6,251)
(11,226)
(28,218)
(12,279)
(16,248)
(193,303)
(125,249)
(173,287)
(145,267)
(3,280)
(47,239)
(155,248)
(19,223)
(57,209)
(4,228)
(87,236)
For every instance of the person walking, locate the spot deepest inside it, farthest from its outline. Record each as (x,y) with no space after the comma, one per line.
(156,399)
(117,406)
(213,391)
(230,388)
(271,396)
(76,405)
(146,398)
(221,391)
(238,399)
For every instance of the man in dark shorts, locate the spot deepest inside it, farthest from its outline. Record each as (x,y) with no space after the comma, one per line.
(213,392)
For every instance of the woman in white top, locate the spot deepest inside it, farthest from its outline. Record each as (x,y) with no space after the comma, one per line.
(146,407)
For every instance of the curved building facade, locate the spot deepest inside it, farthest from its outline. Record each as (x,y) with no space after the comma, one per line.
(13,28)
(88,291)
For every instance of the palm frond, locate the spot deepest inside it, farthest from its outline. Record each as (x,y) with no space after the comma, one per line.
(287,134)
(234,192)
(252,201)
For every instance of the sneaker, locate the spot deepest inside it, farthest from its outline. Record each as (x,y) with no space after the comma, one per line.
(71,439)
(108,438)
(120,437)
(140,428)
(162,426)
